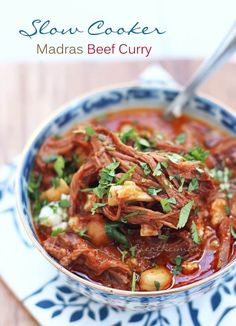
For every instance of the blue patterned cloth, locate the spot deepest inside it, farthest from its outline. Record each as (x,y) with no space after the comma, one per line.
(51,301)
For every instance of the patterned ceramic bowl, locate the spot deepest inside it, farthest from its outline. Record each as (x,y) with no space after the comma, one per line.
(100,102)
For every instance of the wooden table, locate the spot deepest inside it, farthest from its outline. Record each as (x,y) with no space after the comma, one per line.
(30,91)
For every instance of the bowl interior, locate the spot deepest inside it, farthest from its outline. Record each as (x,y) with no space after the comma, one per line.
(99,103)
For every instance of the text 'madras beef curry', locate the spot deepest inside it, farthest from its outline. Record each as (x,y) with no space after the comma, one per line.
(134,202)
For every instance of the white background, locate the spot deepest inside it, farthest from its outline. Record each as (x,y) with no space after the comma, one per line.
(193,27)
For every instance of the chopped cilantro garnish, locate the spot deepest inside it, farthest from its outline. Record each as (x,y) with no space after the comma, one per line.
(142,142)
(96,206)
(184,214)
(90,131)
(124,254)
(64,203)
(196,210)
(182,180)
(227,210)
(163,237)
(49,158)
(178,268)
(34,193)
(181,138)
(56,232)
(130,134)
(113,232)
(164,164)
(55,182)
(34,184)
(193,185)
(157,171)
(110,148)
(133,283)
(194,233)
(106,177)
(126,176)
(232,231)
(153,191)
(82,233)
(125,217)
(133,250)
(145,168)
(157,285)
(197,154)
(59,165)
(174,157)
(166,202)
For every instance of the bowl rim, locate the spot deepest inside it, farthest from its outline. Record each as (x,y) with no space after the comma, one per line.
(35,241)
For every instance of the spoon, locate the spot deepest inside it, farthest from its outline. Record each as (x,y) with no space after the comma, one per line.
(210,65)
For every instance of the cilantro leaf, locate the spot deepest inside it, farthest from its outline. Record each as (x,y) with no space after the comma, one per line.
(55,182)
(166,202)
(182,180)
(130,134)
(82,233)
(178,265)
(106,178)
(157,285)
(184,214)
(124,254)
(163,237)
(90,131)
(194,233)
(145,167)
(64,203)
(125,217)
(181,138)
(197,154)
(49,158)
(126,176)
(157,171)
(96,206)
(113,232)
(193,185)
(59,165)
(142,142)
(153,191)
(133,250)
(232,231)
(56,232)
(174,157)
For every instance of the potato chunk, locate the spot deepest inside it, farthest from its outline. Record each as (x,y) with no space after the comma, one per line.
(218,211)
(157,278)
(96,232)
(129,191)
(148,230)
(54,194)
(91,199)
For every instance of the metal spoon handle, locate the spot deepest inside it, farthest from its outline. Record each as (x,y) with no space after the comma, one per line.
(226,48)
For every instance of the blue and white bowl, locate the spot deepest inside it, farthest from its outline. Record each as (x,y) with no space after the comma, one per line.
(83,108)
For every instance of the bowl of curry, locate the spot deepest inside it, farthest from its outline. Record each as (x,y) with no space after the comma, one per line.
(136,211)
